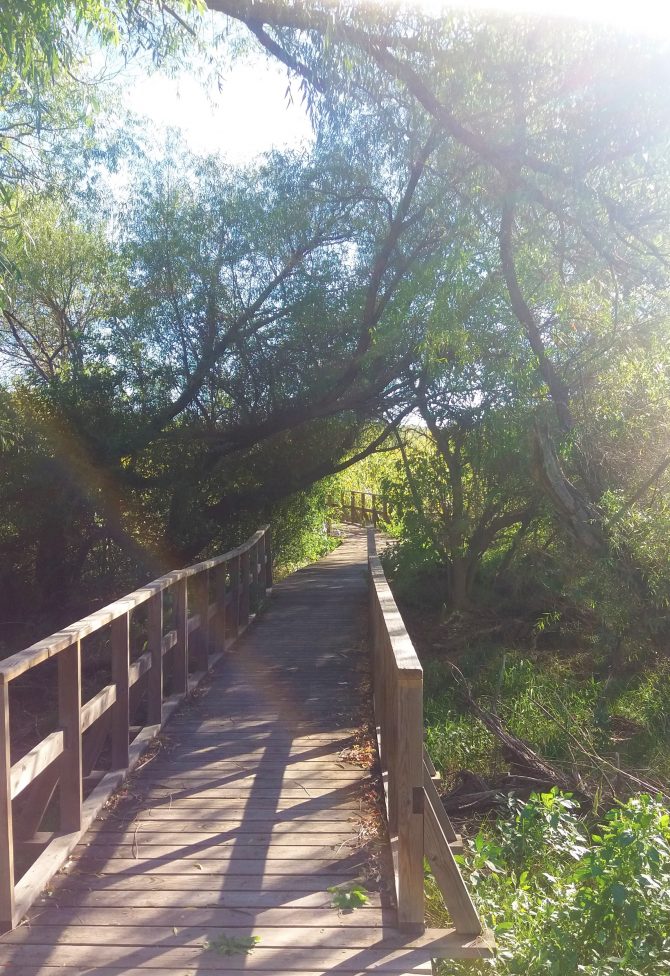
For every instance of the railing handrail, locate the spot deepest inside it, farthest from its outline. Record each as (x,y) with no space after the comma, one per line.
(418,824)
(14,665)
(406,659)
(356,510)
(63,757)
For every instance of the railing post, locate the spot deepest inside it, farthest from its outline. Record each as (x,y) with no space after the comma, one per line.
(268,559)
(155,646)
(121,707)
(235,596)
(410,800)
(220,599)
(201,607)
(244,592)
(262,572)
(253,557)
(69,719)
(390,726)
(180,673)
(353,507)
(6,832)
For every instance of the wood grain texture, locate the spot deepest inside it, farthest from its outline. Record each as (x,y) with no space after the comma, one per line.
(69,718)
(28,767)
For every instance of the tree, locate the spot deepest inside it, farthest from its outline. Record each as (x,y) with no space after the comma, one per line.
(554,142)
(229,348)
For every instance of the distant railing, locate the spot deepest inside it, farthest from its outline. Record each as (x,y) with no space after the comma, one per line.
(222,593)
(360,507)
(418,824)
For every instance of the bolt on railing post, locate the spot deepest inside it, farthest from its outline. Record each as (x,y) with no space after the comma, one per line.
(120,677)
(69,719)
(155,647)
(6,826)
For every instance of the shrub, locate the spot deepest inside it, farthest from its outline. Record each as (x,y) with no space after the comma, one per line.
(564,899)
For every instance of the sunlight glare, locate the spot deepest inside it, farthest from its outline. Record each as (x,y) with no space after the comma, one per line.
(645,16)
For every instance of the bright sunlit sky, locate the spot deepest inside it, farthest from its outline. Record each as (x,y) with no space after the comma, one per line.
(251,114)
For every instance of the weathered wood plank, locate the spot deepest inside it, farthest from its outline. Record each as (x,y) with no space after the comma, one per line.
(29,767)
(87,881)
(448,877)
(262,959)
(237,965)
(254,900)
(75,923)
(293,834)
(270,778)
(120,636)
(233,812)
(261,809)
(409,800)
(96,707)
(213,849)
(311,936)
(155,651)
(199,598)
(180,664)
(245,791)
(139,667)
(248,867)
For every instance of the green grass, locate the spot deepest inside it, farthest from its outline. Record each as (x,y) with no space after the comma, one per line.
(539,699)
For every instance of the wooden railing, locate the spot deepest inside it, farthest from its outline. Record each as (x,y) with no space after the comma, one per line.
(360,507)
(418,824)
(120,720)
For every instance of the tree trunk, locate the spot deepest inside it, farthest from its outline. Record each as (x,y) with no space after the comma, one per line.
(576,512)
(461,577)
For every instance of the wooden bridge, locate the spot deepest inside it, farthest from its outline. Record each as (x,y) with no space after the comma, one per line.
(237,841)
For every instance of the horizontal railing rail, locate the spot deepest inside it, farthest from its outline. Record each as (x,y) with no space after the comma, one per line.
(360,507)
(418,824)
(222,593)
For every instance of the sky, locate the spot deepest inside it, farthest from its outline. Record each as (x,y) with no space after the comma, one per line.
(249,113)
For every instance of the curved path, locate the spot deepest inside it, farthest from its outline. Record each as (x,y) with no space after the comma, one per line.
(218,854)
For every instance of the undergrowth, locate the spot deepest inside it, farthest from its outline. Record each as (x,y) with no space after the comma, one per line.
(557,704)
(566,890)
(566,896)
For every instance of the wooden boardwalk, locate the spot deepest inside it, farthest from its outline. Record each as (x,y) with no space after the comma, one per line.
(243,819)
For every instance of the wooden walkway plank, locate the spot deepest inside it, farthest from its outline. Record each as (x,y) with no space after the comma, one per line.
(243,819)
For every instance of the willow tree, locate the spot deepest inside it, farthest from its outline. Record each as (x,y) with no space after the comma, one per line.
(554,138)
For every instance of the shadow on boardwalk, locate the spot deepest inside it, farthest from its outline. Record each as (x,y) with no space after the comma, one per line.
(242,821)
